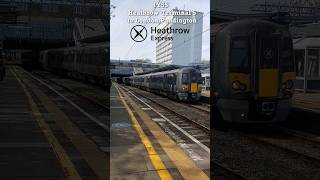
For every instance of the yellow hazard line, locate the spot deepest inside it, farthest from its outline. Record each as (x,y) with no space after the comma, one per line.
(67,165)
(153,156)
(186,166)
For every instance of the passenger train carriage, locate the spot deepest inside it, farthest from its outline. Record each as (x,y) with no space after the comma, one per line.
(182,84)
(85,62)
(252,72)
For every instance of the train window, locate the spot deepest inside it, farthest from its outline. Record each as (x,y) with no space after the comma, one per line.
(171,79)
(195,78)
(174,79)
(299,59)
(239,56)
(287,62)
(185,78)
(268,52)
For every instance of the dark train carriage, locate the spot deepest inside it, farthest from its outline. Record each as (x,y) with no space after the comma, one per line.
(85,62)
(182,84)
(253,72)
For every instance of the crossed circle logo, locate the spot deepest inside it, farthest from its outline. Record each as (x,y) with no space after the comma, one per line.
(138,33)
(268,53)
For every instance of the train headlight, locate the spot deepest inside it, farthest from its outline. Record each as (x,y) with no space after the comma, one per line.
(236,85)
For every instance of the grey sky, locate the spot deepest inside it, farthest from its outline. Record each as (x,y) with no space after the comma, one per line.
(121,42)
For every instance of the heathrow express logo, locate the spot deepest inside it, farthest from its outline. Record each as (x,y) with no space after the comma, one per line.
(138,33)
(268,53)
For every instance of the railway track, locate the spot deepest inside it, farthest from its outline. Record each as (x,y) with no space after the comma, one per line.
(201,108)
(200,116)
(182,120)
(42,76)
(88,115)
(221,172)
(289,142)
(192,127)
(297,133)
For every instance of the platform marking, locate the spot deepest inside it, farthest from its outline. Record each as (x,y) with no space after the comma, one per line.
(70,102)
(153,156)
(173,124)
(62,156)
(158,120)
(185,165)
(146,109)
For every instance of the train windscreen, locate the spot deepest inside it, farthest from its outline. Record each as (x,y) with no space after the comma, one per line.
(239,56)
(268,52)
(185,78)
(196,77)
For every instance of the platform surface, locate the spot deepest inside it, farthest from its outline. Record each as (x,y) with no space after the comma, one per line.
(205,94)
(25,152)
(307,101)
(129,158)
(146,152)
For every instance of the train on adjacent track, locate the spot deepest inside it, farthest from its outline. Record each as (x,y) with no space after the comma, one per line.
(252,72)
(2,65)
(183,84)
(87,62)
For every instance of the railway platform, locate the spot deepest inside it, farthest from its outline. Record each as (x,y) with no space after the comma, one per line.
(205,96)
(139,148)
(307,101)
(40,139)
(26,152)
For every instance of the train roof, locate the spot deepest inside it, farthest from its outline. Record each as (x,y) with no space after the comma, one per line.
(84,46)
(165,72)
(307,42)
(165,68)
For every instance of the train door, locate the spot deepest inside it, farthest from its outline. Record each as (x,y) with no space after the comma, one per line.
(267,62)
(174,83)
(185,82)
(169,83)
(165,83)
(193,82)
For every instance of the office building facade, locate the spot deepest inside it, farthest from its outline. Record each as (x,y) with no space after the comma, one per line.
(183,48)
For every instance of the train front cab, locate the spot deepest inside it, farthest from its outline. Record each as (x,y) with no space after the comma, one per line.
(257,83)
(190,89)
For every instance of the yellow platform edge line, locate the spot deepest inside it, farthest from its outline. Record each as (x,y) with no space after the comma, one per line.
(67,165)
(187,167)
(153,156)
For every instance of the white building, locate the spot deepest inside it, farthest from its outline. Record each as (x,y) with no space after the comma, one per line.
(183,48)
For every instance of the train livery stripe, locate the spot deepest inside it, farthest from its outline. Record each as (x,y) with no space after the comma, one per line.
(268,82)
(288,76)
(153,156)
(194,87)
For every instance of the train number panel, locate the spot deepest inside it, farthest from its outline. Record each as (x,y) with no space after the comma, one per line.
(252,72)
